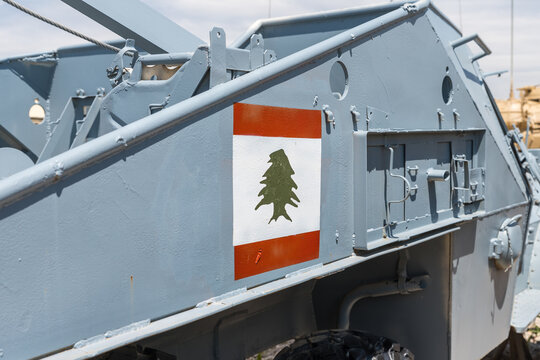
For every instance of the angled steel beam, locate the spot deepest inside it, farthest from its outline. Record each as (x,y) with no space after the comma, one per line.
(132,19)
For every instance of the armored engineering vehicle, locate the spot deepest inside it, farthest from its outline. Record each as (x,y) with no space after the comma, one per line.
(344,173)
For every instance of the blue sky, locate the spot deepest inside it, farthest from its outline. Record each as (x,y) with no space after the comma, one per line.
(21,34)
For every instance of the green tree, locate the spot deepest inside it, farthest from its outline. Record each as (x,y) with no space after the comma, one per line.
(279,185)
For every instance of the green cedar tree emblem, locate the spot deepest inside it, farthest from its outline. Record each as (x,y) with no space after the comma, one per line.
(278,185)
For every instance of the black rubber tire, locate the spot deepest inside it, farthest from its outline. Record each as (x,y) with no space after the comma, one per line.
(344,345)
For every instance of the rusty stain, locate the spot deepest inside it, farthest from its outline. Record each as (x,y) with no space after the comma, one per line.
(259,254)
(131,280)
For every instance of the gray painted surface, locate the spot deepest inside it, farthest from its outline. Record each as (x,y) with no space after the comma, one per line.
(526,309)
(482,295)
(136,222)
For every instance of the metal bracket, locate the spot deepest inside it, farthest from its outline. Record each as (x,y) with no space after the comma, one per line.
(440,115)
(402,272)
(60,139)
(456,115)
(269,56)
(256,51)
(329,115)
(369,113)
(224,60)
(413,173)
(88,122)
(468,183)
(118,71)
(459,161)
(413,170)
(218,57)
(355,113)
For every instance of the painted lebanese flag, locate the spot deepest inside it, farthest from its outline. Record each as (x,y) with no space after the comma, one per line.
(276,187)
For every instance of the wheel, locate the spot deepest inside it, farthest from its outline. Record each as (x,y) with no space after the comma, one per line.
(344,345)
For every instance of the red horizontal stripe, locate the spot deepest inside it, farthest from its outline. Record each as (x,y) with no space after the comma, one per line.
(262,256)
(262,120)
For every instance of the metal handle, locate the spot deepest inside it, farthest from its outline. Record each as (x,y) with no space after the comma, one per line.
(407,185)
(477,40)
